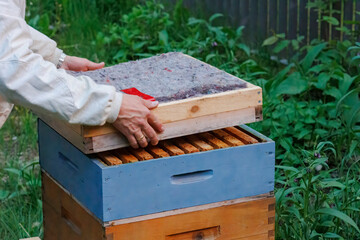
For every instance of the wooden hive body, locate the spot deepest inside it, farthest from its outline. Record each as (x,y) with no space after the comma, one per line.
(251,218)
(194,97)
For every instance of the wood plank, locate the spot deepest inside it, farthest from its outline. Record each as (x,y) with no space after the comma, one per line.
(272,17)
(262,18)
(200,144)
(253,17)
(109,158)
(209,104)
(170,148)
(292,23)
(282,17)
(347,15)
(244,18)
(125,156)
(238,221)
(69,133)
(185,146)
(181,128)
(157,152)
(141,154)
(227,138)
(194,108)
(114,140)
(213,141)
(247,139)
(302,21)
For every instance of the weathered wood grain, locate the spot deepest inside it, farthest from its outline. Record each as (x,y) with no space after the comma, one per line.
(246,218)
(241,135)
(227,138)
(141,154)
(109,158)
(213,141)
(185,146)
(200,144)
(157,152)
(125,156)
(170,148)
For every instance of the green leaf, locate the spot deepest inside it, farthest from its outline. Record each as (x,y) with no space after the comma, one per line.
(353,48)
(336,213)
(314,234)
(333,184)
(210,56)
(353,146)
(13,170)
(245,48)
(303,133)
(332,235)
(294,84)
(121,54)
(215,16)
(295,44)
(164,37)
(318,68)
(4,194)
(287,168)
(282,44)
(138,45)
(275,81)
(322,81)
(333,92)
(193,21)
(344,29)
(144,55)
(239,31)
(331,20)
(354,60)
(345,83)
(308,60)
(270,41)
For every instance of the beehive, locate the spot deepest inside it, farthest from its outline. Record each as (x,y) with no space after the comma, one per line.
(206,179)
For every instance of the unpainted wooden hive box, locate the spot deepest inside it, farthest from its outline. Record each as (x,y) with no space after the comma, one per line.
(194,97)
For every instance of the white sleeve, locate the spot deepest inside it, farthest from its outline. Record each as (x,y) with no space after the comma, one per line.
(45,46)
(28,80)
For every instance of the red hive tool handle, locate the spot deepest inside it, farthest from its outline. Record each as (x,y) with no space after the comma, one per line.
(134,91)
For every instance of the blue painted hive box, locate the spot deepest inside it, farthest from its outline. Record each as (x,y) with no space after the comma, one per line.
(162,184)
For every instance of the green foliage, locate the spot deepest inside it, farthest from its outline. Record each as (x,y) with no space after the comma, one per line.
(20,191)
(312,111)
(311,106)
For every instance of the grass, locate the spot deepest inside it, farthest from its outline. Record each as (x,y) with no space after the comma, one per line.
(20,208)
(311,108)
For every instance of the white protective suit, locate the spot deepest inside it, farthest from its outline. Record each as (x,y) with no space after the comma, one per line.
(29,78)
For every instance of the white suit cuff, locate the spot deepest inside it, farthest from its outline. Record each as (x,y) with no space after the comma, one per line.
(56,56)
(115,107)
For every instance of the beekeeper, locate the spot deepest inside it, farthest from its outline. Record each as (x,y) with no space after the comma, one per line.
(32,75)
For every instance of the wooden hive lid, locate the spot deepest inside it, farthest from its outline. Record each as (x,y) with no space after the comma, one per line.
(194,97)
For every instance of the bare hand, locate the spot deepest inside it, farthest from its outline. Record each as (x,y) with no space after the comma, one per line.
(136,121)
(80,64)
